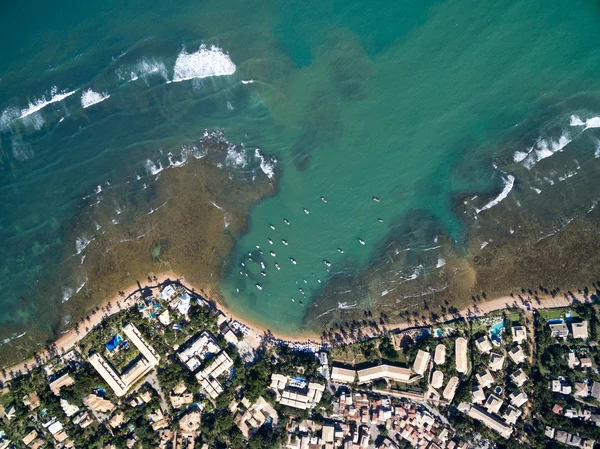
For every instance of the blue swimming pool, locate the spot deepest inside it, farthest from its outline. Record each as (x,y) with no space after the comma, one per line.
(497,328)
(114,343)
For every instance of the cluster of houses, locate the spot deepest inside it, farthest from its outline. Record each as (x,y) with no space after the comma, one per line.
(355,418)
(560,436)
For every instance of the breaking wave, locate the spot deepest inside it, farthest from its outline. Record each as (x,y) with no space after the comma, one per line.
(89,98)
(41,103)
(204,63)
(509,182)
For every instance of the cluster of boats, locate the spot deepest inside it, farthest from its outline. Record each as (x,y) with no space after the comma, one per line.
(292,260)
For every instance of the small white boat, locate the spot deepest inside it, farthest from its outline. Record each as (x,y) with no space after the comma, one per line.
(262,265)
(319,281)
(380,220)
(284,242)
(293,300)
(273,254)
(362,242)
(258,286)
(305,281)
(323,199)
(242,273)
(260,252)
(306,211)
(263,273)
(243,264)
(326,263)
(257,247)
(340,250)
(285,221)
(292,260)
(377,200)
(301,291)
(277,266)
(246,274)
(270,241)
(272,227)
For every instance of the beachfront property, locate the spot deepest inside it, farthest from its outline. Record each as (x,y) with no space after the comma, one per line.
(296,392)
(120,383)
(208,377)
(197,350)
(63,381)
(460,349)
(558,330)
(167,293)
(343,375)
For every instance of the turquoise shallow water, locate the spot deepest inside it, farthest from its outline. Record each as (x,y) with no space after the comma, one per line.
(421,104)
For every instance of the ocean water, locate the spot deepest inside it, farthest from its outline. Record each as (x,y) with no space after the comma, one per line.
(460,117)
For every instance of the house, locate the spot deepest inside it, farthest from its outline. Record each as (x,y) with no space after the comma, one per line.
(595,392)
(437,379)
(477,394)
(183,306)
(549,433)
(519,377)
(450,389)
(493,403)
(518,398)
(98,404)
(69,409)
(439,357)
(585,362)
(190,422)
(460,349)
(519,334)
(327,433)
(559,330)
(63,381)
(511,415)
(167,293)
(421,362)
(197,349)
(496,362)
(483,344)
(342,375)
(32,441)
(517,355)
(580,330)
(32,401)
(561,386)
(255,415)
(10,412)
(208,377)
(116,421)
(572,361)
(557,409)
(582,390)
(485,378)
(165,318)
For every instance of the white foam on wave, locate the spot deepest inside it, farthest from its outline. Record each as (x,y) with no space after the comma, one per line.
(509,182)
(81,243)
(236,157)
(8,116)
(593,122)
(536,190)
(6,340)
(520,155)
(90,98)
(597,150)
(41,103)
(153,168)
(145,67)
(544,149)
(204,63)
(267,167)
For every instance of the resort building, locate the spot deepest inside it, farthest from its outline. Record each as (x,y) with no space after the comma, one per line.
(198,350)
(439,356)
(450,389)
(387,372)
(490,420)
(421,362)
(343,375)
(167,293)
(296,392)
(559,330)
(208,377)
(255,415)
(496,362)
(63,381)
(519,377)
(483,344)
(460,348)
(485,378)
(437,379)
(580,330)
(517,355)
(519,334)
(121,383)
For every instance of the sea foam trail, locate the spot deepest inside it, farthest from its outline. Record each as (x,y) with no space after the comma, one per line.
(509,182)
(41,103)
(204,63)
(90,98)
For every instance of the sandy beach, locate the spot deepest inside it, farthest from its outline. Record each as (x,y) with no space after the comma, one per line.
(118,303)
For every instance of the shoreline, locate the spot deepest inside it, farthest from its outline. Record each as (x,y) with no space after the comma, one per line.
(118,303)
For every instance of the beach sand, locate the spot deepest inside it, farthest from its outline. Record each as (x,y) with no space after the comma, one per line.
(70,339)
